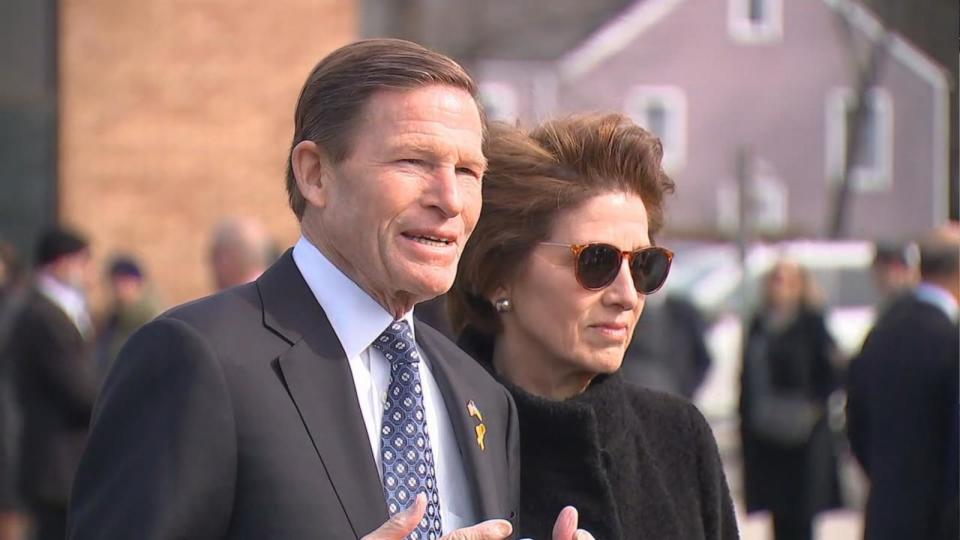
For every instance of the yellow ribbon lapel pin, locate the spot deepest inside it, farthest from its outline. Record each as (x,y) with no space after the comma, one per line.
(480,428)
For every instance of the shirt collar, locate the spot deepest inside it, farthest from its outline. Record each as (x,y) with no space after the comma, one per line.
(939,298)
(355,316)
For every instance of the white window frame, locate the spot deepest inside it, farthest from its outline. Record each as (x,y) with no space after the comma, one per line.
(674,100)
(744,30)
(876,178)
(504,97)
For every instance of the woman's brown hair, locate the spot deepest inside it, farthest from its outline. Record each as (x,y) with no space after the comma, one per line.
(535,175)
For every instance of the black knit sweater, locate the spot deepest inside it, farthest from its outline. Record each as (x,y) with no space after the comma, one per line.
(637,464)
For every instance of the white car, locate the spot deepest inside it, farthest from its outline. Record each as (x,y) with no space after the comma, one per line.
(712,277)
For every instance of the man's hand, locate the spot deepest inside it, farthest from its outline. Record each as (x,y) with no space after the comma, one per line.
(565,527)
(404,523)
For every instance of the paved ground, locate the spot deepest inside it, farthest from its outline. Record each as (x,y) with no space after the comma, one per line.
(837,525)
(844,524)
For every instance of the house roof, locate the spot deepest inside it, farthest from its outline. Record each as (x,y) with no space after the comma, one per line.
(537,30)
(620,31)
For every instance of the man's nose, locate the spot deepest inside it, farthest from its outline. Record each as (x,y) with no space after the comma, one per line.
(445,191)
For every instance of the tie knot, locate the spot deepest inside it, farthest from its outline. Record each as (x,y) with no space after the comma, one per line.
(397,345)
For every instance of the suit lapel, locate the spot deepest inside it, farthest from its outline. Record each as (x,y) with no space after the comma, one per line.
(456,394)
(318,377)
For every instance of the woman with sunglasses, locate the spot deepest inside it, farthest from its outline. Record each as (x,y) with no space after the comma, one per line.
(548,292)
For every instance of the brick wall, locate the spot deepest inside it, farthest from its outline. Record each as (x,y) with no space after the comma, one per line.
(176,113)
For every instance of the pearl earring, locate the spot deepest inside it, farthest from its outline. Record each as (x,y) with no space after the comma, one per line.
(503,305)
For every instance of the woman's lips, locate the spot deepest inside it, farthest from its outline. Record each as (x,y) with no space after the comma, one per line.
(614,331)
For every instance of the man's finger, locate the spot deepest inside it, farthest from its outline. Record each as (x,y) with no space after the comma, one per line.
(402,523)
(494,529)
(565,527)
(583,535)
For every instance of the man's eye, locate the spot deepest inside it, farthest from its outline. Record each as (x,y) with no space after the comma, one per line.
(467,171)
(413,161)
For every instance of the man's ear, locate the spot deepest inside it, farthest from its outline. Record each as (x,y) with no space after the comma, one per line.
(311,170)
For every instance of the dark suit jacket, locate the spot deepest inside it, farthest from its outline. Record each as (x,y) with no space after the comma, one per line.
(668,352)
(11,301)
(55,380)
(902,420)
(236,416)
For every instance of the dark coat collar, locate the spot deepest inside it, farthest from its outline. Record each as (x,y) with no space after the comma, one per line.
(596,414)
(456,390)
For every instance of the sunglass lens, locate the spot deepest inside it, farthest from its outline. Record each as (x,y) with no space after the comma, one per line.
(650,268)
(597,266)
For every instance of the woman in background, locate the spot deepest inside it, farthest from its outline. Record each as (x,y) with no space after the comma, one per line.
(790,464)
(548,293)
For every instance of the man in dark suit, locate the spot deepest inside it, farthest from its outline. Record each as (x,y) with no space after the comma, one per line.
(310,403)
(55,378)
(903,404)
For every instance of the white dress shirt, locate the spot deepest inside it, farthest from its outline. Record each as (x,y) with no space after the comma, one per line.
(358,320)
(938,297)
(69,300)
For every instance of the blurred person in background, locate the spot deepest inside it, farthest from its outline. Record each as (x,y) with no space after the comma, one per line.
(789,457)
(895,272)
(132,304)
(50,347)
(240,250)
(12,295)
(668,351)
(547,297)
(902,403)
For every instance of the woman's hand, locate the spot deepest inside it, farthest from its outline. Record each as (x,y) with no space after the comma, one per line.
(566,526)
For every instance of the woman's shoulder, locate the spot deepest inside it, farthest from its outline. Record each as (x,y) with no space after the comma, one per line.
(656,409)
(672,432)
(648,398)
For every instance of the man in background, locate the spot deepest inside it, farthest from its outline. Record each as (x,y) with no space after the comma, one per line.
(669,350)
(895,272)
(55,378)
(12,296)
(132,305)
(240,251)
(903,403)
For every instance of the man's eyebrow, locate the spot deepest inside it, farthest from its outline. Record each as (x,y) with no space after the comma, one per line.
(426,148)
(479,162)
(415,146)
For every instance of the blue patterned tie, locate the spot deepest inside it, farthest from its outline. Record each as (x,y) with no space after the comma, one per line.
(404,440)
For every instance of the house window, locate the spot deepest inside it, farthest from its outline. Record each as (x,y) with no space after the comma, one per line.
(755,21)
(499,101)
(662,110)
(872,167)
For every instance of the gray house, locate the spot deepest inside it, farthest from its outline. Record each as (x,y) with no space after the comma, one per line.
(774,77)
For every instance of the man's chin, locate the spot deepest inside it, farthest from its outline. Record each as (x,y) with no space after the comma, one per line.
(428,287)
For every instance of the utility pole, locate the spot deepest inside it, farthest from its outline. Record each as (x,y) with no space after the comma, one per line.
(866,73)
